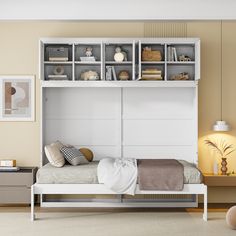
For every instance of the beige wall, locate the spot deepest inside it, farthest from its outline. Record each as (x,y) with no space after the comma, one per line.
(19,55)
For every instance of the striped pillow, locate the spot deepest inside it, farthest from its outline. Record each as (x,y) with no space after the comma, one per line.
(73,156)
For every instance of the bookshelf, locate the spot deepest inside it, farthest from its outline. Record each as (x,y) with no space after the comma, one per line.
(171,59)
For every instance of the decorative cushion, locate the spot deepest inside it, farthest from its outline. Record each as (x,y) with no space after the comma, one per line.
(73,156)
(53,154)
(231,217)
(88,154)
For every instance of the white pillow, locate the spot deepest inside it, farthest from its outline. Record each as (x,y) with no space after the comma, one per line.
(54,155)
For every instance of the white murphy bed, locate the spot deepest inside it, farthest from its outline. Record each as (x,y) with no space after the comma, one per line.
(128,119)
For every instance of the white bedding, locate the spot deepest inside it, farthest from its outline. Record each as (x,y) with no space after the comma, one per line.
(119,175)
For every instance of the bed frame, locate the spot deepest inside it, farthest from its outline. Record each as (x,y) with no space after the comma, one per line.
(105,117)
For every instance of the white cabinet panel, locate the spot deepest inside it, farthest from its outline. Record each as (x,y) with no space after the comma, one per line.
(82,103)
(159,132)
(159,103)
(161,152)
(83,132)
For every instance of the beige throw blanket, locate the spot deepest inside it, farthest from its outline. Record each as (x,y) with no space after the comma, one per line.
(160,174)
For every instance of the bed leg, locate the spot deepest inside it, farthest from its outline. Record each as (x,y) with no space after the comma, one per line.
(205,204)
(32,203)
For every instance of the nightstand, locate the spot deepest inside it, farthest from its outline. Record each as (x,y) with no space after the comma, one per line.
(212,180)
(15,186)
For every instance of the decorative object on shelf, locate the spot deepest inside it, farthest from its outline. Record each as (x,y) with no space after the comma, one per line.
(58,70)
(224,166)
(221,125)
(88,51)
(222,149)
(17,98)
(58,73)
(123,75)
(184,58)
(180,76)
(89,75)
(231,217)
(58,53)
(88,55)
(151,55)
(151,74)
(120,55)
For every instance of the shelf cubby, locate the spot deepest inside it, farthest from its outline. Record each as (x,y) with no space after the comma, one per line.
(154,47)
(119,68)
(184,49)
(110,50)
(47,48)
(80,68)
(154,66)
(50,68)
(174,69)
(80,50)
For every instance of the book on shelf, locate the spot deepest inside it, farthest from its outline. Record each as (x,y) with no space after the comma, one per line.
(9,168)
(7,163)
(150,78)
(146,72)
(88,59)
(114,73)
(175,54)
(59,59)
(57,77)
(171,54)
(110,73)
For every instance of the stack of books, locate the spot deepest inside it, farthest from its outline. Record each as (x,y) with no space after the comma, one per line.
(8,165)
(151,74)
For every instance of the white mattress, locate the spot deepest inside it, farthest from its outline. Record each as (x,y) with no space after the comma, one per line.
(87,174)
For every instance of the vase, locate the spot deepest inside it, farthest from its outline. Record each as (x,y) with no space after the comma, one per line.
(223,166)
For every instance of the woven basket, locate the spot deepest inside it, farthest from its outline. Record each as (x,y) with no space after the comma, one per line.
(151,55)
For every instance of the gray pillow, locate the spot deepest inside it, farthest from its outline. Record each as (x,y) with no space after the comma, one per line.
(73,156)
(54,155)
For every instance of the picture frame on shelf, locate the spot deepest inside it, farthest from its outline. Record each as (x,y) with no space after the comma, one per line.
(17,100)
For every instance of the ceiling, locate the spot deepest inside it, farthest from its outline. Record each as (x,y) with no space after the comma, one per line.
(117,10)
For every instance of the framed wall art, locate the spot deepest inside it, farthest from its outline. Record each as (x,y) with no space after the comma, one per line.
(17,98)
